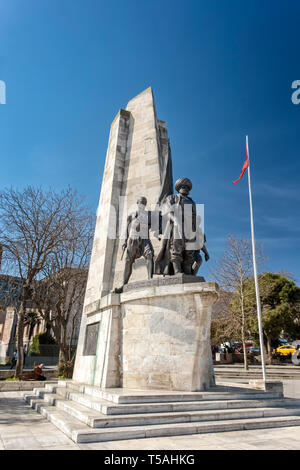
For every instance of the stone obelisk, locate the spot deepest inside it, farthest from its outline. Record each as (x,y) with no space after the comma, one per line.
(138,163)
(137,155)
(156,333)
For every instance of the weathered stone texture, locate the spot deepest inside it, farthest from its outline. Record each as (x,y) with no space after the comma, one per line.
(136,137)
(166,337)
(157,333)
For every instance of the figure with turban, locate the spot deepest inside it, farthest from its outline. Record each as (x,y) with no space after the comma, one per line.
(179,229)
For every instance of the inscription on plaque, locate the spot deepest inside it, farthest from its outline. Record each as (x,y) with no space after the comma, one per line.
(91,338)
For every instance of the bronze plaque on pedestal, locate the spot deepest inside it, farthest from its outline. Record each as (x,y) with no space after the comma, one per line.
(91,338)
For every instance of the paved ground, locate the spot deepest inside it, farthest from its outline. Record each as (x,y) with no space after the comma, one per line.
(23,428)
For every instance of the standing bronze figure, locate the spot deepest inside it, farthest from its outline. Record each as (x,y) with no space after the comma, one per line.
(180,252)
(137,242)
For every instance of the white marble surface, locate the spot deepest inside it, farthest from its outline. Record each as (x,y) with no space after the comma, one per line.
(165,337)
(23,428)
(137,150)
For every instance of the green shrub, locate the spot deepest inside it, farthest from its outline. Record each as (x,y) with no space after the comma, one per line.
(35,346)
(40,339)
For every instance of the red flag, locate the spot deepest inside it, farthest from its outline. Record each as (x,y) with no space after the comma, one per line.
(246,164)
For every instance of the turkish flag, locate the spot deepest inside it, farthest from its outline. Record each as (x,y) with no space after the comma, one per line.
(246,164)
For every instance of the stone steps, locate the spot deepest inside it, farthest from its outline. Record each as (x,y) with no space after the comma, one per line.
(56,394)
(80,432)
(96,419)
(253,375)
(108,408)
(257,374)
(85,416)
(22,385)
(145,397)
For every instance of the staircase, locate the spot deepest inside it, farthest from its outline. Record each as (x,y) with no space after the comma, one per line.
(289,372)
(89,414)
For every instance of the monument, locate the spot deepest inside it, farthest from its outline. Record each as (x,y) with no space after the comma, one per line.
(146,318)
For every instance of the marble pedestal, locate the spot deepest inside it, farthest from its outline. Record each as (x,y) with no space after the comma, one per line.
(155,335)
(166,335)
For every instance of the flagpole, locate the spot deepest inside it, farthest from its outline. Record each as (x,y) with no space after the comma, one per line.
(261,339)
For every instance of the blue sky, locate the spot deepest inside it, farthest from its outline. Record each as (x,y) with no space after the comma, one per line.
(219,70)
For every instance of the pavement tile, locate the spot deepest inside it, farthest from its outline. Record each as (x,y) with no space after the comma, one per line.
(267,445)
(45,427)
(238,446)
(23,428)
(100,446)
(70,447)
(13,431)
(53,439)
(21,443)
(291,443)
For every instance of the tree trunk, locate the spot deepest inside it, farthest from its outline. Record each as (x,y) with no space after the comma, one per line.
(31,328)
(269,350)
(62,354)
(20,333)
(62,343)
(243,330)
(71,337)
(20,329)
(246,366)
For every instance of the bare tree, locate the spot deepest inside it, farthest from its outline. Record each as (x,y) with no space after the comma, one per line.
(290,276)
(32,224)
(10,296)
(59,296)
(10,291)
(231,271)
(221,327)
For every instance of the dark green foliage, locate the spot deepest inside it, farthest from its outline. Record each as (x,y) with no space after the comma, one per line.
(40,339)
(280,306)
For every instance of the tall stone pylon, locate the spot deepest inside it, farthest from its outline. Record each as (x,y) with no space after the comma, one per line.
(138,163)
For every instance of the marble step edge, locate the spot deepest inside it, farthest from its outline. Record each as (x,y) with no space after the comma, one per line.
(80,433)
(38,392)
(44,391)
(23,385)
(148,397)
(254,375)
(270,372)
(259,394)
(94,421)
(113,409)
(226,381)
(98,420)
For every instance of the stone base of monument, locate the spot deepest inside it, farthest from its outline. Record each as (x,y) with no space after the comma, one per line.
(90,414)
(166,334)
(144,369)
(155,335)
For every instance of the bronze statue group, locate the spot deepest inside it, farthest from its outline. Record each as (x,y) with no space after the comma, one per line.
(178,226)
